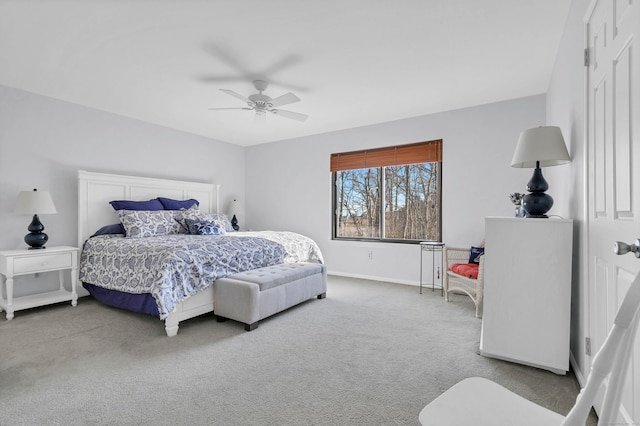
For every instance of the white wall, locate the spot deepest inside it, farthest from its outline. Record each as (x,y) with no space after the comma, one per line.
(288,183)
(565,108)
(44,142)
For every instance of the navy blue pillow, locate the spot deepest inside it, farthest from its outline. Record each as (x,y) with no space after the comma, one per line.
(170,204)
(475,254)
(152,205)
(116,228)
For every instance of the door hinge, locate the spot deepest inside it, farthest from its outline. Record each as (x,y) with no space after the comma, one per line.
(586,57)
(587,346)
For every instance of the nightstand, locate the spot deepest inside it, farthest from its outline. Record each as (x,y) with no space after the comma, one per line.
(24,262)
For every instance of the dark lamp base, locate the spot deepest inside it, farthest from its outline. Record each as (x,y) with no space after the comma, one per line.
(537,204)
(537,216)
(234,223)
(36,238)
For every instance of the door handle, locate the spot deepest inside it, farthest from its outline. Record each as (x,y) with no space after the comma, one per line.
(623,248)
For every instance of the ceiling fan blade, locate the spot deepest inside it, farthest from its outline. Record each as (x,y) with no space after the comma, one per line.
(235,95)
(229,59)
(243,73)
(217,79)
(219,109)
(285,62)
(290,114)
(287,98)
(248,77)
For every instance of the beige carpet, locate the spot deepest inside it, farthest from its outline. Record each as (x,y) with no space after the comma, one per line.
(369,354)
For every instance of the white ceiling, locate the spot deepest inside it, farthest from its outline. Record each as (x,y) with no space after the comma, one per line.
(352,62)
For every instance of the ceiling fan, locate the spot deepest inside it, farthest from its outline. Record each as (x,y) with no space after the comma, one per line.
(262,104)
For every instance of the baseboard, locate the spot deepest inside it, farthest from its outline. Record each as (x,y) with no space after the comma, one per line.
(373,278)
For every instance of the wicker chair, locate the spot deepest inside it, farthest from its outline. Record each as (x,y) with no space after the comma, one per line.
(456,283)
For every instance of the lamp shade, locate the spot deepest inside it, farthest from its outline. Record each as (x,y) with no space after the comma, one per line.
(35,202)
(234,207)
(544,144)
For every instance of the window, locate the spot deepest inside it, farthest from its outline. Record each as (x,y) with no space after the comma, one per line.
(389,194)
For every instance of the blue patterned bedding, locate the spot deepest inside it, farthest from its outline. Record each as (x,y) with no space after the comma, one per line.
(174,267)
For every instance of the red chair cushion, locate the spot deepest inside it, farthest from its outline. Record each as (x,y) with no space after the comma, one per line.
(469,270)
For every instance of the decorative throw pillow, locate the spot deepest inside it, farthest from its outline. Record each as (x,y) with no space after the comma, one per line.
(116,228)
(215,218)
(475,254)
(208,228)
(170,204)
(182,215)
(223,221)
(145,223)
(150,205)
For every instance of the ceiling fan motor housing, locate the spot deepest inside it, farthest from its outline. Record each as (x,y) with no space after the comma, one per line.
(260,101)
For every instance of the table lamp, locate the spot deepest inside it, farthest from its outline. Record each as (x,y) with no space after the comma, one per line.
(234,208)
(35,202)
(540,146)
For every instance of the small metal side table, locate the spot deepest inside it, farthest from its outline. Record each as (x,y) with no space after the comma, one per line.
(433,247)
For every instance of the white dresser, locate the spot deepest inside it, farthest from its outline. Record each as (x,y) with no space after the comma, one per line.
(527,291)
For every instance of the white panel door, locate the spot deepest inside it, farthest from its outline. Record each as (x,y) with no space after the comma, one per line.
(613,103)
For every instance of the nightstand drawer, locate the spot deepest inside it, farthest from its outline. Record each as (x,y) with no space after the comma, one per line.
(44,262)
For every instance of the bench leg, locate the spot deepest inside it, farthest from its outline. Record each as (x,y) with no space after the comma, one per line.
(220,319)
(250,327)
(322,296)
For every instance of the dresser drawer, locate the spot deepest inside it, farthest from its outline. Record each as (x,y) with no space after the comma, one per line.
(45,262)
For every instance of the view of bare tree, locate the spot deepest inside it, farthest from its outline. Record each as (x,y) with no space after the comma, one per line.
(411,202)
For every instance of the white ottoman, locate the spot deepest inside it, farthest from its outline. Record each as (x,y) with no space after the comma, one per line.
(251,296)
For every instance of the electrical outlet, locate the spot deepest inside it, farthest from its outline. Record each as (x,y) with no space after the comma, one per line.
(370,255)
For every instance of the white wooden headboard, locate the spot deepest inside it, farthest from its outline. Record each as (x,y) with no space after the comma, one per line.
(95,190)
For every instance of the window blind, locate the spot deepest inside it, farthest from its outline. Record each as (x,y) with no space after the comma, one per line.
(415,153)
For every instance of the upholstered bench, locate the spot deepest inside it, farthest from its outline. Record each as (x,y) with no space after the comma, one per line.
(251,296)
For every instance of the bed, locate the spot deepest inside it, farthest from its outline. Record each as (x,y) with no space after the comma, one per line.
(169,274)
